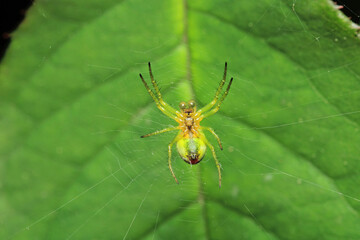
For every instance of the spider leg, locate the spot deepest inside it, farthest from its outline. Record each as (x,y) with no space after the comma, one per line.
(214,110)
(214,155)
(212,103)
(213,133)
(169,151)
(162,102)
(160,131)
(162,108)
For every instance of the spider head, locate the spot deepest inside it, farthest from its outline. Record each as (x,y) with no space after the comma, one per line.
(188,108)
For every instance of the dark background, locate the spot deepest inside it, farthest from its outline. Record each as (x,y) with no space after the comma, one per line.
(12,12)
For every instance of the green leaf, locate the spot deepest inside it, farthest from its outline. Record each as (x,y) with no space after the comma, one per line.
(72,110)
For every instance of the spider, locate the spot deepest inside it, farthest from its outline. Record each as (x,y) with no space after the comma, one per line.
(191,141)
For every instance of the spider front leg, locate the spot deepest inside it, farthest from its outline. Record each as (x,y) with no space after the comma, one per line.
(213,102)
(157,90)
(158,104)
(214,110)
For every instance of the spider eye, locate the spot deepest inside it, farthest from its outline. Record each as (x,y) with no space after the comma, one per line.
(192,103)
(182,105)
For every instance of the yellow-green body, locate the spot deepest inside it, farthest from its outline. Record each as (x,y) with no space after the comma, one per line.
(191,149)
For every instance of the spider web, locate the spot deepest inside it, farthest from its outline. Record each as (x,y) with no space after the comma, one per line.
(127,181)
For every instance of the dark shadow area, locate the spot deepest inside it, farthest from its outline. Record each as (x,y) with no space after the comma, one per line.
(350,8)
(12,12)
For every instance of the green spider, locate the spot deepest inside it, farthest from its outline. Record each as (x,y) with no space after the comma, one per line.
(191,141)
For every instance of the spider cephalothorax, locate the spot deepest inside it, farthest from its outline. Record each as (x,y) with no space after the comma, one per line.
(188,118)
(190,147)
(191,141)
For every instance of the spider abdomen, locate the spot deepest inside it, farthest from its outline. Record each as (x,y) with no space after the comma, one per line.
(191,150)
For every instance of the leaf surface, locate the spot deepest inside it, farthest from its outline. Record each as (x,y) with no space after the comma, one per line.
(72,110)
